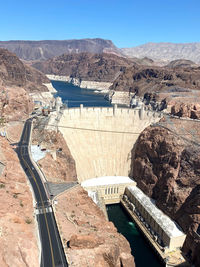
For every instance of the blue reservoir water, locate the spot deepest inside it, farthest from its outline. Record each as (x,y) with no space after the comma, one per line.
(141,250)
(73,96)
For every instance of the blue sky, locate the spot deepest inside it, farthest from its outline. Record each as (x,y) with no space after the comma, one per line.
(126,22)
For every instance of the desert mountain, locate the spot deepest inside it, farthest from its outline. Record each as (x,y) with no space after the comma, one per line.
(13,72)
(152,79)
(165,51)
(42,50)
(102,67)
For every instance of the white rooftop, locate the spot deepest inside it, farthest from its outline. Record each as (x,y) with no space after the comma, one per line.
(37,153)
(107,180)
(168,225)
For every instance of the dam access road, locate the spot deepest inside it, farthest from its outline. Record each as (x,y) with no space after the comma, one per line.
(52,253)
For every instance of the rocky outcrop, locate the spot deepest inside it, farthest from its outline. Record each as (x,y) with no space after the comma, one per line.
(58,165)
(15,103)
(186,110)
(18,237)
(13,72)
(87,236)
(85,66)
(166,166)
(42,50)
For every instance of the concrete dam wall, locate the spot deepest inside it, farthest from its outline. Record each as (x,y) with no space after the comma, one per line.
(101,139)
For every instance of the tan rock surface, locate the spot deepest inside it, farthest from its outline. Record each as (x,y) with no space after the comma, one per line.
(58,164)
(90,240)
(18,240)
(186,110)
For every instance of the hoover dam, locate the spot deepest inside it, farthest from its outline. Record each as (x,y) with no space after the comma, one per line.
(101,139)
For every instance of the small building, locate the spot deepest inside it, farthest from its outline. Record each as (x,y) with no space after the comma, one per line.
(167,233)
(110,188)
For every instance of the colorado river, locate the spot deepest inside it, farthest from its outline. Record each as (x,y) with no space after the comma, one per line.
(142,252)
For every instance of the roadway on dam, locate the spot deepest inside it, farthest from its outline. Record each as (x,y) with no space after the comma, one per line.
(52,253)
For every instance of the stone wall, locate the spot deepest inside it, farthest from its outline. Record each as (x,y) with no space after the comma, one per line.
(101,139)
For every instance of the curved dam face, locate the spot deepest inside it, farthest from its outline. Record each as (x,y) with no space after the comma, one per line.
(101,139)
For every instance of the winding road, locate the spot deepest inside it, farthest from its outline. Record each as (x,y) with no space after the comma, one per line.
(52,252)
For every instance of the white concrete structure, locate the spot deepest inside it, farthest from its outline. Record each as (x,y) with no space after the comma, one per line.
(101,139)
(165,229)
(110,188)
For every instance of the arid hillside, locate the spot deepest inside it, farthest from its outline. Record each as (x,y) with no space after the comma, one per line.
(13,72)
(151,79)
(86,66)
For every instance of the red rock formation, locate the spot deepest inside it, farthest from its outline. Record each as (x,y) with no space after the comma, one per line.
(88,237)
(166,167)
(14,73)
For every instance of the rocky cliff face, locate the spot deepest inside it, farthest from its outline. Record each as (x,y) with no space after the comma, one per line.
(87,236)
(14,72)
(86,66)
(42,50)
(166,166)
(18,236)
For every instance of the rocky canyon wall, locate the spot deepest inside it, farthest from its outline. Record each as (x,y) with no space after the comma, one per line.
(166,166)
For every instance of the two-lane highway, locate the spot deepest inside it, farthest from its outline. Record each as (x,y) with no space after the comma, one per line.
(52,253)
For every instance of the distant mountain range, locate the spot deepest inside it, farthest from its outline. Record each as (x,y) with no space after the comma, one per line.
(42,50)
(165,51)
(160,52)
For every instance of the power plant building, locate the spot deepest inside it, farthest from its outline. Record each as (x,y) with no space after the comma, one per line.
(165,231)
